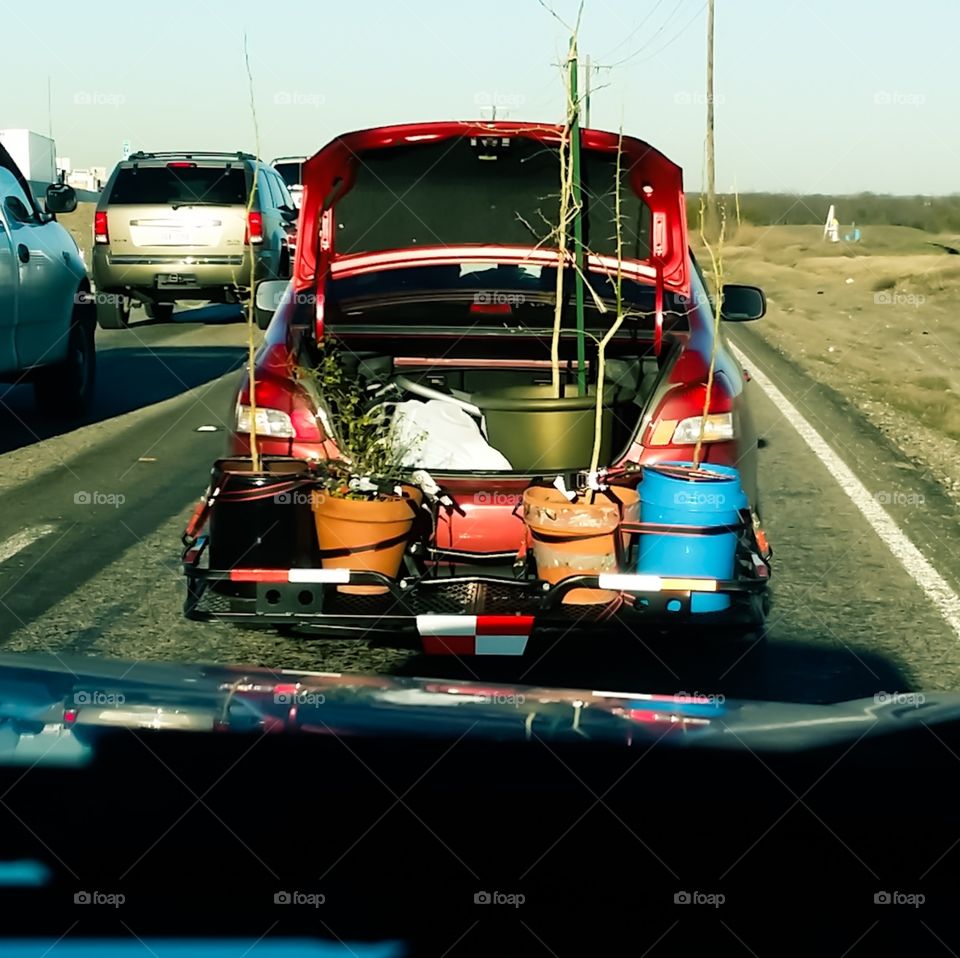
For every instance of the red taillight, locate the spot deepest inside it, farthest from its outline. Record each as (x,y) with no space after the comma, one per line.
(275,390)
(181,165)
(254,227)
(685,402)
(101,234)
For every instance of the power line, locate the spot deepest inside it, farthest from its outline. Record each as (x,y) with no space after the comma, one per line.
(657,33)
(634,31)
(677,35)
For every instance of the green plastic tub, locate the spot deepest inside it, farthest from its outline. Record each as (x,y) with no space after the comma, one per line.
(538,432)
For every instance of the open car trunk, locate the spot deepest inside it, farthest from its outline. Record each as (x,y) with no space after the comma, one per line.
(476,415)
(461,355)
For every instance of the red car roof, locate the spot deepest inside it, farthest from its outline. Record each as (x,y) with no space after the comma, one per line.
(327,176)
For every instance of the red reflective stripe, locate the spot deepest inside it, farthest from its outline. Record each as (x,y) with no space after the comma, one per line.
(491,309)
(504,624)
(449,644)
(259,575)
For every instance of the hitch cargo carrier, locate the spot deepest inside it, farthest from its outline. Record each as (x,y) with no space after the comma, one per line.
(464,614)
(252,556)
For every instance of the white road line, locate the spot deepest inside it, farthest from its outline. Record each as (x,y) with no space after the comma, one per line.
(21,540)
(936,588)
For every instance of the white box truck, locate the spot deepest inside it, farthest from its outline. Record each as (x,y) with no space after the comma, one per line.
(35,154)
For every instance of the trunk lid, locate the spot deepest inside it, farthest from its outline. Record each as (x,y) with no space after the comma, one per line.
(452,193)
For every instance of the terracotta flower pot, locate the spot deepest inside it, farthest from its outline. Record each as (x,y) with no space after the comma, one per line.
(576,538)
(375,530)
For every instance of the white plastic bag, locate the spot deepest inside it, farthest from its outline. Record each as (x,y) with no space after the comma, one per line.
(440,435)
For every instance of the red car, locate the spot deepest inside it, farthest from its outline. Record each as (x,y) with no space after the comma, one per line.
(422,248)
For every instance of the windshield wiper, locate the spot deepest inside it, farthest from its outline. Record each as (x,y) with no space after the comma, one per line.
(177,206)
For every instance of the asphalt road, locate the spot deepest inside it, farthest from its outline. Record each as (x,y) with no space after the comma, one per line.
(108,501)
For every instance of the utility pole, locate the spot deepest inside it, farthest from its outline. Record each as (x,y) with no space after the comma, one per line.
(589,69)
(711,217)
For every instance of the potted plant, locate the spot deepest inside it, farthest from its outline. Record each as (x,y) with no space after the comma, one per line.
(365,502)
(579,534)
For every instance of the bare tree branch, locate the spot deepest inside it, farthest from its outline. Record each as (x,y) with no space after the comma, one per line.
(251,337)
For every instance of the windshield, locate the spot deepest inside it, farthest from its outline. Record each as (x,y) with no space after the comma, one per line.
(182,185)
(382,452)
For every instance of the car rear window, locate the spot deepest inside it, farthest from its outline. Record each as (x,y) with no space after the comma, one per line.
(444,295)
(290,172)
(453,192)
(166,185)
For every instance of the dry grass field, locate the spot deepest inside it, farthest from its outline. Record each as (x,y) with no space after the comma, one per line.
(876,320)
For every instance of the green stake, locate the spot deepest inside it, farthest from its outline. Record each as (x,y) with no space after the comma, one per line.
(577,221)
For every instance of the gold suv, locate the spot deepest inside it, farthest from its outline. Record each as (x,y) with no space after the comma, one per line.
(175,226)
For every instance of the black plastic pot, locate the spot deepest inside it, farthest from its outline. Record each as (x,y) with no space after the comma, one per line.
(262,520)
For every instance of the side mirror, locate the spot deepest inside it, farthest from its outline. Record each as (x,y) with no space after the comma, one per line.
(741,304)
(270,294)
(60,198)
(289,213)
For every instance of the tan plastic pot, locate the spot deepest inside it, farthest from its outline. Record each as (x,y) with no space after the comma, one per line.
(586,532)
(375,530)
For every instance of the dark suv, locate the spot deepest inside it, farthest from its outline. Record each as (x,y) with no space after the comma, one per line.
(175,226)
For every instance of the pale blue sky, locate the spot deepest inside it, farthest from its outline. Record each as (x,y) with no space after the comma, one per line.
(813,96)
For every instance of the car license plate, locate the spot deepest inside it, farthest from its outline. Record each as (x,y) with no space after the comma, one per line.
(174,238)
(172,280)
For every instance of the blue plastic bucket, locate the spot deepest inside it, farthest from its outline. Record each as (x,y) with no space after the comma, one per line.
(669,498)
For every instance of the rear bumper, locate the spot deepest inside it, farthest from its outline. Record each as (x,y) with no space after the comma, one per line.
(286,584)
(469,615)
(135,273)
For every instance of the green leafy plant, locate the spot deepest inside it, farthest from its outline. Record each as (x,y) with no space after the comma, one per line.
(372,459)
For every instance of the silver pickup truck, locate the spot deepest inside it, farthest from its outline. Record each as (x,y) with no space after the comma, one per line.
(47,313)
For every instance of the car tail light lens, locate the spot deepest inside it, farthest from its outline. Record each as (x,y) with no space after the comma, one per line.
(181,165)
(270,422)
(284,410)
(101,233)
(717,427)
(254,227)
(680,418)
